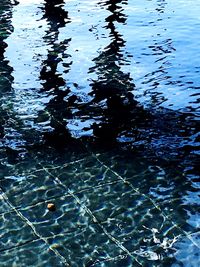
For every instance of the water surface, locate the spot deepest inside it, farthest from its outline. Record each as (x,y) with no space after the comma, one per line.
(100,115)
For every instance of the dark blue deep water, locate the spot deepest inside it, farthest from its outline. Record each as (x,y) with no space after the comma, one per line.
(100,116)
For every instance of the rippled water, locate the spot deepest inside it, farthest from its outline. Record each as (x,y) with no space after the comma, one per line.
(99,105)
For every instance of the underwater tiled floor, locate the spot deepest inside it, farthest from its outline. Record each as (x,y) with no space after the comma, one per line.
(112,208)
(111,212)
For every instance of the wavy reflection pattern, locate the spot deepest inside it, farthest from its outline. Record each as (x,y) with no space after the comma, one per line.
(6,77)
(112,105)
(57,110)
(113,207)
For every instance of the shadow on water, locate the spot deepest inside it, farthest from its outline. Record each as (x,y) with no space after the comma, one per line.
(126,195)
(113,101)
(57,110)
(113,107)
(5,29)
(5,70)
(7,131)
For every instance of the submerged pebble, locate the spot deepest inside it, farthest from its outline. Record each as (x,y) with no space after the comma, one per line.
(51,207)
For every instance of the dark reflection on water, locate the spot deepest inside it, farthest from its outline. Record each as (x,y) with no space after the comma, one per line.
(5,70)
(112,102)
(57,110)
(5,29)
(8,135)
(126,185)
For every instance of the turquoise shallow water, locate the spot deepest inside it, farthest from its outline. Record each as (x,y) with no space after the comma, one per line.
(99,114)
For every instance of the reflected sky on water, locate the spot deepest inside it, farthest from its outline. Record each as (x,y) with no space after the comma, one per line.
(100,114)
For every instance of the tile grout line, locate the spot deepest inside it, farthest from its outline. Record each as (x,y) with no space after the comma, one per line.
(113,239)
(152,201)
(20,245)
(101,185)
(120,256)
(59,196)
(27,222)
(94,219)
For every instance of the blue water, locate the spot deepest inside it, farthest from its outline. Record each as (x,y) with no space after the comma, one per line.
(99,115)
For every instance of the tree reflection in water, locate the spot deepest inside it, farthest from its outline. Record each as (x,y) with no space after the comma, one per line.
(118,117)
(5,29)
(6,77)
(115,114)
(57,110)
(113,102)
